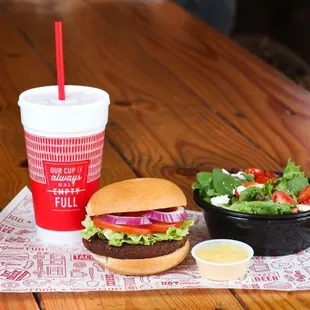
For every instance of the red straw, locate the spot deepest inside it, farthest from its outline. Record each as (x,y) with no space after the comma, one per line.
(60,61)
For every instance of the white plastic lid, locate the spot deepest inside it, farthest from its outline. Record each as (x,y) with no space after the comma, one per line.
(85,110)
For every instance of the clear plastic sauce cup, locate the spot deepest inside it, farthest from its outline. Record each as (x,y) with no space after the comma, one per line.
(223,271)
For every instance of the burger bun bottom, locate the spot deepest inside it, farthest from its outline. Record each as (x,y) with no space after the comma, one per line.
(143,267)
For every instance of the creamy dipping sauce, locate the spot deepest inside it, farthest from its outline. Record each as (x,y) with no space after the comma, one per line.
(222,253)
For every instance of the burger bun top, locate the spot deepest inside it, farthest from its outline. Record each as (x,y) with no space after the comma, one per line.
(141,194)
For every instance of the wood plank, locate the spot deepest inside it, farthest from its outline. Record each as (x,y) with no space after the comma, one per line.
(235,84)
(18,301)
(145,111)
(114,169)
(150,300)
(275,300)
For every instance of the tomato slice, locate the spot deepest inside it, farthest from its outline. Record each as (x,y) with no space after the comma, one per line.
(282,197)
(257,172)
(139,230)
(304,195)
(271,175)
(163,227)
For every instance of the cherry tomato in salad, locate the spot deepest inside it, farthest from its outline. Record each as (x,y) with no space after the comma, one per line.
(282,197)
(271,175)
(304,195)
(246,184)
(257,172)
(307,202)
(262,179)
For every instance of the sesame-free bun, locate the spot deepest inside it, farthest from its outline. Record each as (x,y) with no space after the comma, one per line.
(133,195)
(144,267)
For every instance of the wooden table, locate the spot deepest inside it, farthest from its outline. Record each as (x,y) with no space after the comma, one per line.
(184,98)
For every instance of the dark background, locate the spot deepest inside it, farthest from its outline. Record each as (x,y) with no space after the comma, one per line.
(276,31)
(287,21)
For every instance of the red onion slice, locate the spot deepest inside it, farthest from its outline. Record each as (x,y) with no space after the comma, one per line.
(126,220)
(179,215)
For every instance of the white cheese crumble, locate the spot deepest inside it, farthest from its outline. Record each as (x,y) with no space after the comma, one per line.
(236,175)
(219,201)
(239,175)
(241,188)
(259,185)
(303,208)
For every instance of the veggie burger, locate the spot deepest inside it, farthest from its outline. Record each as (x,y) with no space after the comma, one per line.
(137,226)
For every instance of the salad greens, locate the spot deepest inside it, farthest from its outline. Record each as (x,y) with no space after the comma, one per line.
(218,183)
(293,180)
(256,191)
(118,238)
(261,207)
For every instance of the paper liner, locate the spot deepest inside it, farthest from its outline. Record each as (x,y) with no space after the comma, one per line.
(28,265)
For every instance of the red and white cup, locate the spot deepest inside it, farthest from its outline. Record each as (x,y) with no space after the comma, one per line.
(64,143)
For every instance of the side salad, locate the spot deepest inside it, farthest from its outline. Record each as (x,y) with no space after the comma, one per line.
(255,191)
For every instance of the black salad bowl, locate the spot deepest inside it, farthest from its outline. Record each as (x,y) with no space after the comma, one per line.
(268,235)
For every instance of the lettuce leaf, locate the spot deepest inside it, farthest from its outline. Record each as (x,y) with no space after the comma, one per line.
(297,184)
(261,207)
(217,183)
(293,180)
(268,189)
(249,176)
(251,193)
(204,178)
(224,183)
(119,238)
(292,171)
(90,230)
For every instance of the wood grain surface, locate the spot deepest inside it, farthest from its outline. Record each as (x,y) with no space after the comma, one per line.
(18,301)
(145,113)
(184,99)
(153,300)
(261,94)
(278,106)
